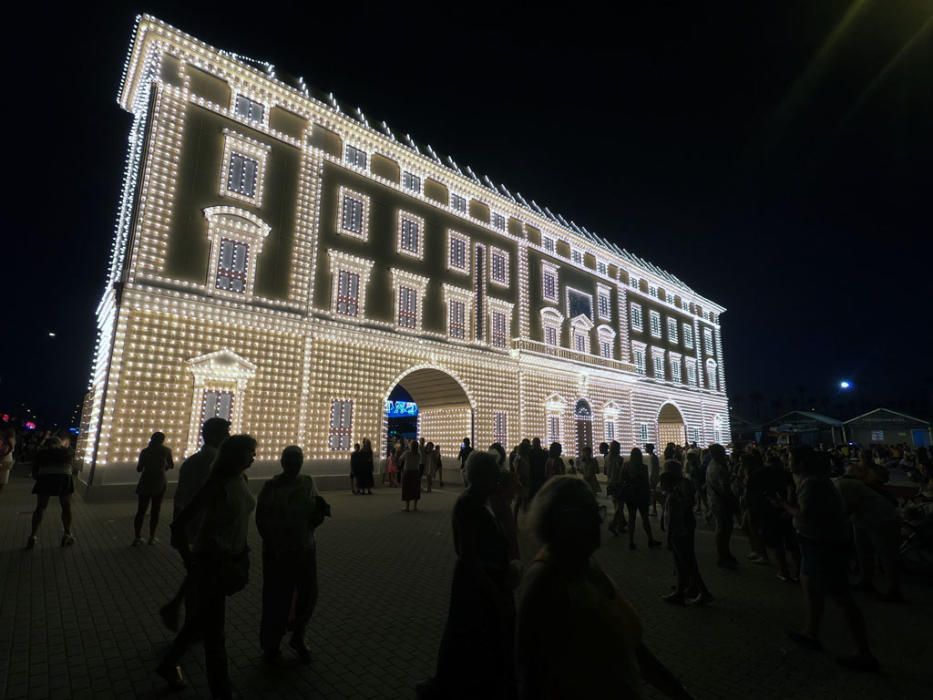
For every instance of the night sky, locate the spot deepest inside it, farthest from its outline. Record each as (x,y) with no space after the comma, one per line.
(777,159)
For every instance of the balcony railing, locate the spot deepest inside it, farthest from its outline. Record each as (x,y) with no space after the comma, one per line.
(561,353)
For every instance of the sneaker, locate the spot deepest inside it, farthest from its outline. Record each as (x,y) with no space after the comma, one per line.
(868,663)
(68,539)
(753,556)
(138,541)
(31,542)
(301,648)
(172,676)
(806,641)
(153,540)
(701,599)
(673,598)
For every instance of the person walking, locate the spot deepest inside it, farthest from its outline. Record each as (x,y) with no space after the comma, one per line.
(654,477)
(590,469)
(287,512)
(53,471)
(464,454)
(392,465)
(555,464)
(574,626)
(724,504)
(824,533)
(636,493)
(680,525)
(614,487)
(353,461)
(192,475)
(429,466)
(537,461)
(219,562)
(7,446)
(475,659)
(521,468)
(411,476)
(365,479)
(154,460)
(439,465)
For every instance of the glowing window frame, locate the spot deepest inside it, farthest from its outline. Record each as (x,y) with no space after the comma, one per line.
(338,261)
(403,278)
(238,143)
(342,194)
(467,257)
(403,216)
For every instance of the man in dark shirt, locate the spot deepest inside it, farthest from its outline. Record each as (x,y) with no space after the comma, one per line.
(538,459)
(465,450)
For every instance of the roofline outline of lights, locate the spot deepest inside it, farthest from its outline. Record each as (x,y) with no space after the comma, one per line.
(534,214)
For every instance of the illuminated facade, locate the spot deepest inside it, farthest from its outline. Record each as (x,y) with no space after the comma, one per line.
(279,261)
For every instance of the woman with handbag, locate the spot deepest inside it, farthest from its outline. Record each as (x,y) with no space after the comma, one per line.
(219,562)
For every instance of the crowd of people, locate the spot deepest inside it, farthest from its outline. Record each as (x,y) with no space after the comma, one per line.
(809,513)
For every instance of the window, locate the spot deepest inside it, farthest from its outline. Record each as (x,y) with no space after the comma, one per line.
(248,109)
(638,354)
(658,361)
(500,428)
(652,291)
(604,306)
(717,429)
(605,348)
(549,244)
(635,314)
(348,293)
(355,156)
(708,341)
(498,333)
(217,404)
(354,213)
(692,372)
(341,425)
(498,221)
(670,298)
(675,369)
(411,182)
(711,374)
(643,433)
(634,282)
(457,258)
(550,336)
(577,256)
(499,266)
(686,307)
(409,234)
(609,430)
(672,330)
(877,436)
(579,304)
(579,340)
(655,324)
(241,174)
(456,319)
(601,267)
(407,307)
(688,336)
(553,429)
(458,203)
(694,434)
(232,266)
(549,278)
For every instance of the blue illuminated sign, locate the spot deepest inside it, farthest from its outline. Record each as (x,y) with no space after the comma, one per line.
(401,409)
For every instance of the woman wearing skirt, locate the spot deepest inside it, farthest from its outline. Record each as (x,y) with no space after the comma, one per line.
(52,470)
(411,476)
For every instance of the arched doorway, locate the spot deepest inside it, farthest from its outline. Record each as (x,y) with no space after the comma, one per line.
(444,409)
(583,417)
(671,426)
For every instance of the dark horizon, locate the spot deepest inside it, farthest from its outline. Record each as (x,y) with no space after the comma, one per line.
(775,159)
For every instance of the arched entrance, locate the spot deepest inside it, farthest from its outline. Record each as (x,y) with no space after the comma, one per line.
(671,426)
(583,417)
(444,409)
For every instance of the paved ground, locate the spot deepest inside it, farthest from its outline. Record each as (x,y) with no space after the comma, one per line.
(82,623)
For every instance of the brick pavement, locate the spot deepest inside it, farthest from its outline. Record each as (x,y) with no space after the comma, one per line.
(82,622)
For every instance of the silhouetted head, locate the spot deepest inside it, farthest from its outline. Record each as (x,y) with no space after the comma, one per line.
(157,439)
(615,448)
(565,517)
(215,431)
(234,456)
(635,456)
(466,442)
(649,448)
(499,451)
(555,449)
(536,443)
(482,473)
(718,452)
(292,459)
